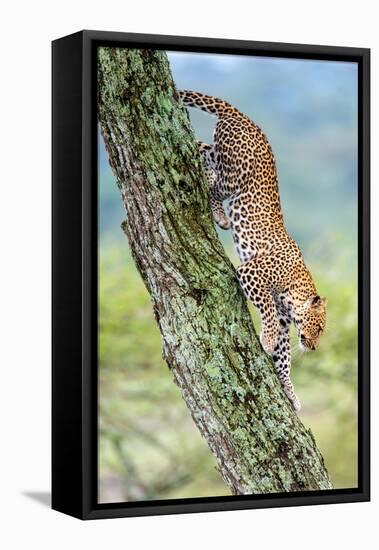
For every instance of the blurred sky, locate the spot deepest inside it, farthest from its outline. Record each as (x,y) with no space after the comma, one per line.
(308,110)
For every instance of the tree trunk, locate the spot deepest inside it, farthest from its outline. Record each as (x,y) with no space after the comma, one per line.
(227,382)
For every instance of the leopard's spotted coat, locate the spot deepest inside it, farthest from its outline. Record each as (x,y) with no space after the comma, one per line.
(240,167)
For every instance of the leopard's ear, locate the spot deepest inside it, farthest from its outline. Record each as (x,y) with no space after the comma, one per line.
(317,301)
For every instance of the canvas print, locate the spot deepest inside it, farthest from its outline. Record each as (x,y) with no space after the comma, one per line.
(227,275)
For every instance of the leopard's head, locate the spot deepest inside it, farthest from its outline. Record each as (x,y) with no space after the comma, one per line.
(310,322)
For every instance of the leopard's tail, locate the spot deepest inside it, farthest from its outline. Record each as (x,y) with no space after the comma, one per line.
(207,103)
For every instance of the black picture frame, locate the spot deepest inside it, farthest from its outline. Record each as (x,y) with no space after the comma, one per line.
(74,272)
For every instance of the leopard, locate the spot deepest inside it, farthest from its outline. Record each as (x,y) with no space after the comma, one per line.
(242,177)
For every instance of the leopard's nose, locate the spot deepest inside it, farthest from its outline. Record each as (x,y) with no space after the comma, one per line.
(313,347)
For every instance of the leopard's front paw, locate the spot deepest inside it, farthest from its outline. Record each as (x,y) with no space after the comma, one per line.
(296,404)
(289,391)
(221,220)
(268,342)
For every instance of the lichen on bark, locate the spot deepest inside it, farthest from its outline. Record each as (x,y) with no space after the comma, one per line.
(209,342)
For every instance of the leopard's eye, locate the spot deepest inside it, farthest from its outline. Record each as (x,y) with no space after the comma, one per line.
(320,329)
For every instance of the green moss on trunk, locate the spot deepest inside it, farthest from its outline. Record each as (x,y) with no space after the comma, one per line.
(209,343)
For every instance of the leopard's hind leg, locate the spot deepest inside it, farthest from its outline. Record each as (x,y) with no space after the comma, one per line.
(208,157)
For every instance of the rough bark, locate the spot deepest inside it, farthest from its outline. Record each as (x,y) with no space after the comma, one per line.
(209,343)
